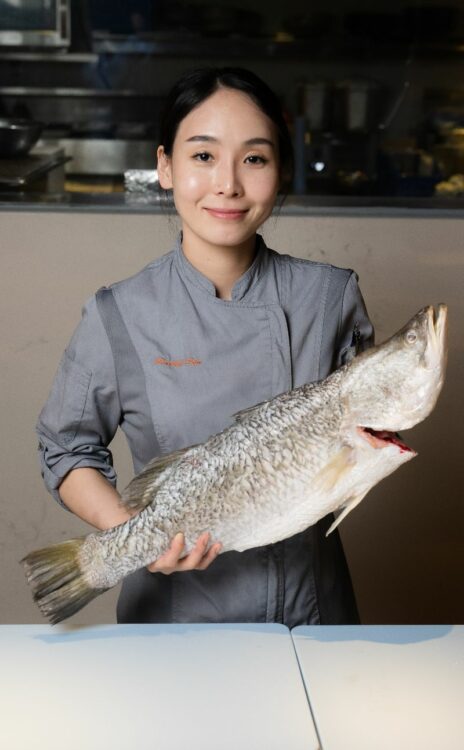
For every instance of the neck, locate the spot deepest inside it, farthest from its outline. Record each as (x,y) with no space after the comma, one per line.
(222,265)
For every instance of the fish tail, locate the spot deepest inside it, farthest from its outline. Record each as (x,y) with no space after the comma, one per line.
(57,580)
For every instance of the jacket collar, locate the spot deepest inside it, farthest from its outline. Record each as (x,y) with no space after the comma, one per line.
(241,286)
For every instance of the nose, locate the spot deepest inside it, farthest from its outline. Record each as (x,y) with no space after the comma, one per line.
(227,180)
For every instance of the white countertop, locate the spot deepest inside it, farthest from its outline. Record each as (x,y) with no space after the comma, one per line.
(231,687)
(147,687)
(377,687)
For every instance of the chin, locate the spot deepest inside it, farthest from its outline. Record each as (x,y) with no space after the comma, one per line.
(235,241)
(228,238)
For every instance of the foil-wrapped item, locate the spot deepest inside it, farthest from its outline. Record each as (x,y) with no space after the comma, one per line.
(141,180)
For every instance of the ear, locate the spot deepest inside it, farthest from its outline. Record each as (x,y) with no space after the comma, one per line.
(164,169)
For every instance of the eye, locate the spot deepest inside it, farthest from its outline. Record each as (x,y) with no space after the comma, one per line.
(255,159)
(202,156)
(411,337)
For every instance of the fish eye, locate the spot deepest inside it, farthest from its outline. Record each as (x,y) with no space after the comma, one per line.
(411,337)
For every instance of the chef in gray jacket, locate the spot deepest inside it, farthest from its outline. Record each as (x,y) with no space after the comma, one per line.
(217,324)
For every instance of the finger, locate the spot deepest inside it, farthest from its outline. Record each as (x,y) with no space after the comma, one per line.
(172,555)
(211,555)
(195,556)
(167,563)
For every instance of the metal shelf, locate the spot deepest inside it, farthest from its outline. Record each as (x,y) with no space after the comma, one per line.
(336,48)
(54,57)
(339,47)
(72,92)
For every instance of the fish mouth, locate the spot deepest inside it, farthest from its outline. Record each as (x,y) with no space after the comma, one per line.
(438,319)
(437,326)
(379,439)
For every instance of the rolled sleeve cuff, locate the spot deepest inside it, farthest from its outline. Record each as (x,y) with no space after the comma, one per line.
(53,477)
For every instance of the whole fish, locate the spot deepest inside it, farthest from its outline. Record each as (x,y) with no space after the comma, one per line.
(283,465)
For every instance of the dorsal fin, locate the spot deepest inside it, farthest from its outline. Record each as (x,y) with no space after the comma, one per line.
(239,416)
(140,491)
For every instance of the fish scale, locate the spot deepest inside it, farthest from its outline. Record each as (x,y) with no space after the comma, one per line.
(281,467)
(235,493)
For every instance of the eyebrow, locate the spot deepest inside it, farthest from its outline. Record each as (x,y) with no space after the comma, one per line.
(249,142)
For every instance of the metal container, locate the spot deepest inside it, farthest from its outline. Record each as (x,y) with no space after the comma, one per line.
(357,105)
(17,136)
(314,104)
(109,157)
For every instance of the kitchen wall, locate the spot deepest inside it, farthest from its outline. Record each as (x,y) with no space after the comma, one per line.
(404,542)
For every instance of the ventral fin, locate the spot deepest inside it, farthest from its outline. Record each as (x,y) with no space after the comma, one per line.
(347,508)
(335,469)
(140,491)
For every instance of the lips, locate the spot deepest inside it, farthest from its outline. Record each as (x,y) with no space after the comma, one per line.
(226,213)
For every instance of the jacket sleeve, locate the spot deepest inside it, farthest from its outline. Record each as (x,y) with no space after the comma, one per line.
(355,330)
(82,411)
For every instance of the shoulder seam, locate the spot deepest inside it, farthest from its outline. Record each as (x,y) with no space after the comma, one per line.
(153,264)
(292,259)
(284,257)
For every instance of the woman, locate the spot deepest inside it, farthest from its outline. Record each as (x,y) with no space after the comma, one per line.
(215,325)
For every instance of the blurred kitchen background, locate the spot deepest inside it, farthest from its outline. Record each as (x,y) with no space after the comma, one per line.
(373,92)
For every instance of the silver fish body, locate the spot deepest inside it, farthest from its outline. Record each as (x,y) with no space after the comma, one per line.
(280,468)
(253,484)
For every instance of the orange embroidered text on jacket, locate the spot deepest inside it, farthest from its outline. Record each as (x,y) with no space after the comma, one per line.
(176,362)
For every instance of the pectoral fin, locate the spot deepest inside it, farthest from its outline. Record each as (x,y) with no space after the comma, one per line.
(140,491)
(347,508)
(335,469)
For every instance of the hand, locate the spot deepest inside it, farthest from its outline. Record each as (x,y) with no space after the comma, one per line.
(198,558)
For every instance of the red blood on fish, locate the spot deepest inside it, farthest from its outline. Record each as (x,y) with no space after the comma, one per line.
(378,438)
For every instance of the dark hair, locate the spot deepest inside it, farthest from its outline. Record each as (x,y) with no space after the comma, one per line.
(197,85)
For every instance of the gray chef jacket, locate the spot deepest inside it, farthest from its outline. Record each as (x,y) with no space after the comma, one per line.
(170,363)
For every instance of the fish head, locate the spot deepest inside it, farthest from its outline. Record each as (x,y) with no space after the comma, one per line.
(395,385)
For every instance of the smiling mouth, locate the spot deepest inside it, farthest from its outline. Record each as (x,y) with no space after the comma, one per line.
(226,213)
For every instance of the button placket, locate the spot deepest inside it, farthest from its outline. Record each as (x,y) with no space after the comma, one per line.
(282,377)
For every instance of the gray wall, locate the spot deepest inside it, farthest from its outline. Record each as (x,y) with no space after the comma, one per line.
(404,542)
